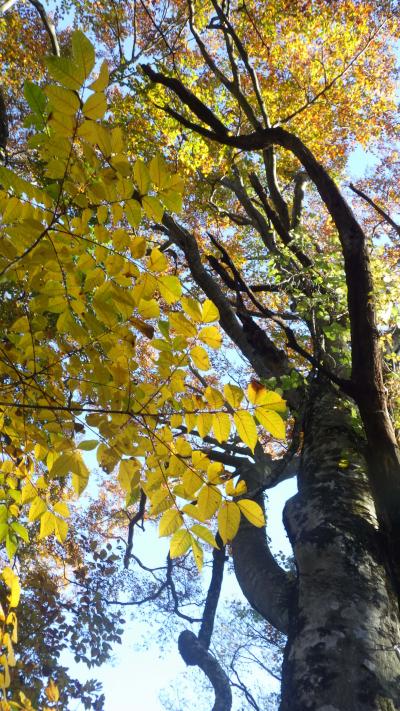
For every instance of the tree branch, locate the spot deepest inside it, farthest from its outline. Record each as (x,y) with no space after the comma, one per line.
(376,207)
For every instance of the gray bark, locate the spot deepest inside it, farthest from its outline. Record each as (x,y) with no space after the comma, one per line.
(344,630)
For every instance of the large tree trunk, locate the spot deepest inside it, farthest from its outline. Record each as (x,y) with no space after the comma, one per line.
(344,629)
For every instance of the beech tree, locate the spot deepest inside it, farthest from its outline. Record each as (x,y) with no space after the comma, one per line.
(215,351)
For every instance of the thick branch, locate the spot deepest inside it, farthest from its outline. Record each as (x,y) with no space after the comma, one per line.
(194,654)
(261,352)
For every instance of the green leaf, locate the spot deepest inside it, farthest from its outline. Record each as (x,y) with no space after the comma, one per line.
(35,97)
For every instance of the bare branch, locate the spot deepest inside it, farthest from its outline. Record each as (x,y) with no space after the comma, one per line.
(376,207)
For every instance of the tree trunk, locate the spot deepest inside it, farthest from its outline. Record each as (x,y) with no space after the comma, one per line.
(343,650)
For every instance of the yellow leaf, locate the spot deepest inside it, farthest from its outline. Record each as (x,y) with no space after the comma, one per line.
(204,533)
(233,395)
(159,172)
(271,421)
(63,100)
(252,511)
(52,692)
(47,523)
(209,312)
(153,207)
(170,288)
(142,176)
(157,261)
(246,428)
(102,80)
(12,582)
(211,336)
(192,482)
(83,52)
(61,508)
(259,395)
(128,474)
(204,423)
(37,508)
(214,472)
(228,520)
(149,309)
(193,511)
(66,71)
(200,358)
(80,474)
(182,325)
(192,308)
(221,426)
(213,397)
(241,488)
(95,106)
(197,553)
(180,542)
(208,501)
(170,521)
(138,246)
(133,213)
(60,529)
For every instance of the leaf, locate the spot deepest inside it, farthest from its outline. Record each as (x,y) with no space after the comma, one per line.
(52,692)
(142,177)
(170,521)
(65,71)
(102,80)
(61,508)
(233,395)
(200,358)
(182,325)
(37,508)
(208,501)
(47,523)
(205,534)
(180,542)
(149,309)
(252,511)
(21,531)
(197,554)
(80,474)
(87,445)
(63,100)
(35,97)
(158,171)
(246,428)
(221,426)
(211,336)
(170,288)
(192,308)
(128,474)
(209,312)
(204,423)
(153,207)
(271,421)
(228,521)
(95,106)
(259,395)
(157,261)
(12,582)
(60,529)
(83,52)
(142,326)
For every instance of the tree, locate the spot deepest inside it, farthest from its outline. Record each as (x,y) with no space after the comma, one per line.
(259,108)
